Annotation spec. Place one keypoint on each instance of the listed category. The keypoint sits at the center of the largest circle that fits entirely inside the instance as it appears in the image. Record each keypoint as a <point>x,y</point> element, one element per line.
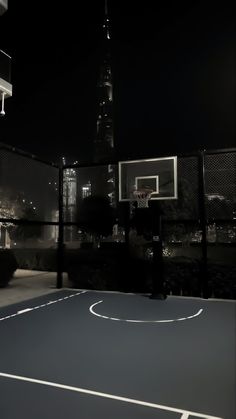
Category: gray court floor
<point>87,354</point>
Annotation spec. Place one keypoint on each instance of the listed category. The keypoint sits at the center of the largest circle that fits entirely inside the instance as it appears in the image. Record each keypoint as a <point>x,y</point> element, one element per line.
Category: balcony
<point>5,74</point>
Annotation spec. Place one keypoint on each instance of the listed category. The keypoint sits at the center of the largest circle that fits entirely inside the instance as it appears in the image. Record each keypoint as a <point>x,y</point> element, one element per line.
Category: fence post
<point>60,243</point>
<point>203,225</point>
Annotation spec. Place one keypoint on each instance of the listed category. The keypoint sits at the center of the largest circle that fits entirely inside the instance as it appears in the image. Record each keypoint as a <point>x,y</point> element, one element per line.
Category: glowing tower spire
<point>106,24</point>
<point>104,141</point>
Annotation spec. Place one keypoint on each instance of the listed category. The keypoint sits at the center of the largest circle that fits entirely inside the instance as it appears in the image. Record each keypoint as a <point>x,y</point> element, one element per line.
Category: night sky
<point>173,72</point>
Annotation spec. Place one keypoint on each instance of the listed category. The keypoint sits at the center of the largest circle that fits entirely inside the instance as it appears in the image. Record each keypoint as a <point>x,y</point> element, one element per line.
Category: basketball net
<point>142,197</point>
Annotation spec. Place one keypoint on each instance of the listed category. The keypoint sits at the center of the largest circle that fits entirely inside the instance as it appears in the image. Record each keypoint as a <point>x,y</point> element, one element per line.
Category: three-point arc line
<point>141,321</point>
<point>100,315</point>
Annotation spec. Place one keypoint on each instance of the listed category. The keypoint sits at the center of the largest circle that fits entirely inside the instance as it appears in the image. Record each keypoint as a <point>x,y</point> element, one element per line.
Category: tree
<point>15,208</point>
<point>23,231</point>
<point>96,216</point>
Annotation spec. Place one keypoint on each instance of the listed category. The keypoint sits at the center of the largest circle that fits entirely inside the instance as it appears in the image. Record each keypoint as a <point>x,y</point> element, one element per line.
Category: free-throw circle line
<point>91,309</point>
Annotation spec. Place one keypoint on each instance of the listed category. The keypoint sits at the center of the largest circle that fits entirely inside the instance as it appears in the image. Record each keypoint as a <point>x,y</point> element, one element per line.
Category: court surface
<point>87,354</point>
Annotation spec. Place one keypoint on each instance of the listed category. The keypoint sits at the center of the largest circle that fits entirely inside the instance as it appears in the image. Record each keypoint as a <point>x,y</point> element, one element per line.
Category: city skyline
<point>173,72</point>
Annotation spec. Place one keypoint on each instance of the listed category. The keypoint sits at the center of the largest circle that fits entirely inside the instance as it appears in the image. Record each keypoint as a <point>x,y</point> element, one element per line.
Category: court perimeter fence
<point>46,225</point>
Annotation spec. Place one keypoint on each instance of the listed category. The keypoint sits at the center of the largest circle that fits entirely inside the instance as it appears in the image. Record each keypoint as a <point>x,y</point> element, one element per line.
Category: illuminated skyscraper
<point>86,190</point>
<point>104,141</point>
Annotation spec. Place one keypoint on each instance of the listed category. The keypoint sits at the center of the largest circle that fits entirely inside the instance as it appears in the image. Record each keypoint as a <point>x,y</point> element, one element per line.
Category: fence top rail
<point>22,221</point>
<point>220,151</point>
<point>116,161</point>
<point>15,150</point>
<point>22,153</point>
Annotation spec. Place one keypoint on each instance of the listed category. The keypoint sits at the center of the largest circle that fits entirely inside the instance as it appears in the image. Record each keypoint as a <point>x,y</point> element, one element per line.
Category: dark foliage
<point>96,215</point>
<point>24,232</point>
<point>8,266</point>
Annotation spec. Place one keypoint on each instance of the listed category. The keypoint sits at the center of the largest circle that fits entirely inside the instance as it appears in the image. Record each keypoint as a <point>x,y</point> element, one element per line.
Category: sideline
<point>26,310</point>
<point>184,413</point>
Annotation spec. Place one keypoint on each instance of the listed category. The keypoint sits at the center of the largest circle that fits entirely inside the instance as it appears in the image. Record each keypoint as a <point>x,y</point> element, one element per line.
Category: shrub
<point>8,266</point>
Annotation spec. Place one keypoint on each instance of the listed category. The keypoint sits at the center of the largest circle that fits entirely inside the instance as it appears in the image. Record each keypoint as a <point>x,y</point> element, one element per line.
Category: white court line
<point>142,321</point>
<point>26,310</point>
<point>185,413</point>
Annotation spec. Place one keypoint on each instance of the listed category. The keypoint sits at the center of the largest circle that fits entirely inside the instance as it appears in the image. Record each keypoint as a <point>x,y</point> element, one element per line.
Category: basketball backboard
<point>157,174</point>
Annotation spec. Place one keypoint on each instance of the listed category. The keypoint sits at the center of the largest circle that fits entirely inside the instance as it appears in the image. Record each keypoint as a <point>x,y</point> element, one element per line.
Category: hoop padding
<point>142,197</point>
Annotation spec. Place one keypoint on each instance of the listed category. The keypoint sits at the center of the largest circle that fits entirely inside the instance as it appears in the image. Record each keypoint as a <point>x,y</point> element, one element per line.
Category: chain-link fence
<point>29,213</point>
<point>70,219</point>
<point>198,230</point>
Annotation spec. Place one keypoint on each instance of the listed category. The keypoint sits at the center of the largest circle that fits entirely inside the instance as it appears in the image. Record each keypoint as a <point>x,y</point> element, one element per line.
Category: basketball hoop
<point>142,197</point>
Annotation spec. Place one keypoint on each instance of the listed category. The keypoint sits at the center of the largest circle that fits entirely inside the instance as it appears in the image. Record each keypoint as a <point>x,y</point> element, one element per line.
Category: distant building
<point>86,190</point>
<point>70,201</point>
